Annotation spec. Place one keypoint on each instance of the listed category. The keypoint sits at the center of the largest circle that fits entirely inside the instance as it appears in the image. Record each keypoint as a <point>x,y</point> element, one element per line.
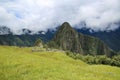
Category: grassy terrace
<point>22,64</point>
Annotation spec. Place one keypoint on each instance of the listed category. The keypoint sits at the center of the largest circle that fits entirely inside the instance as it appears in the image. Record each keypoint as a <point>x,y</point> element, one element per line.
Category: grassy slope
<point>21,64</point>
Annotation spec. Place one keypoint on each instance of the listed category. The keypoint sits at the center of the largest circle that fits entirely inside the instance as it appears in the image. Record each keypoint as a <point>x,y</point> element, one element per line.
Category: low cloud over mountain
<point>39,15</point>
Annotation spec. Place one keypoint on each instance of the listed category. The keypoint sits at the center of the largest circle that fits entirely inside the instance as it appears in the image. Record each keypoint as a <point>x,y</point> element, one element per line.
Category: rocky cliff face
<point>67,38</point>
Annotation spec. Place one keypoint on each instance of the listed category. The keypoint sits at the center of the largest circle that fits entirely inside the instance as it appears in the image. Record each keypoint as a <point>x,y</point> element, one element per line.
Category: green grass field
<point>22,64</point>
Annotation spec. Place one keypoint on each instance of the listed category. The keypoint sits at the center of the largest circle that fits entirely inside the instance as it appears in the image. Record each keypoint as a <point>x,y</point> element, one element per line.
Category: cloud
<point>39,15</point>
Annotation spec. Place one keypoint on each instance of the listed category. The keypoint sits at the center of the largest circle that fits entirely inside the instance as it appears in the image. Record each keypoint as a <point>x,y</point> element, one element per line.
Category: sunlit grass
<point>22,64</point>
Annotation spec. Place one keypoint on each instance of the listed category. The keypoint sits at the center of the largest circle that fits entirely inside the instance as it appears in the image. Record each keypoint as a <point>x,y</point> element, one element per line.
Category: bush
<point>114,61</point>
<point>117,57</point>
<point>73,55</point>
<point>103,60</point>
<point>89,59</point>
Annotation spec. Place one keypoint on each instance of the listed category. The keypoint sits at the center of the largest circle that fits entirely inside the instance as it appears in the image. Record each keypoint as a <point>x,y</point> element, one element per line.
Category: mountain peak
<point>67,38</point>
<point>66,28</point>
<point>4,30</point>
<point>66,24</point>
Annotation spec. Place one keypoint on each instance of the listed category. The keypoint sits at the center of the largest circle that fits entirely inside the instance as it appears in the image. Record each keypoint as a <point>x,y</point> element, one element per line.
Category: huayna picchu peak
<point>67,38</point>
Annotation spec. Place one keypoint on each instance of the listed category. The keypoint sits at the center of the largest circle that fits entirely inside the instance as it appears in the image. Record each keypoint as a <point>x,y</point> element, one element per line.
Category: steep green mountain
<point>67,38</point>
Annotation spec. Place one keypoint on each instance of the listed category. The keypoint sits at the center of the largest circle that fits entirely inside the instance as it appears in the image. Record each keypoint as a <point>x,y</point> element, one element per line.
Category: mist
<point>41,15</point>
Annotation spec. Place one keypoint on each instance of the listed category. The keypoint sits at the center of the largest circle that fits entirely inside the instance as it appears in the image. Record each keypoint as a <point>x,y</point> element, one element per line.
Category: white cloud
<point>44,14</point>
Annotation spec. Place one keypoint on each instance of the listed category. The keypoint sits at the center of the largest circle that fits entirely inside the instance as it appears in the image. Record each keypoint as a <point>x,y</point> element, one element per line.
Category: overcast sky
<point>39,15</point>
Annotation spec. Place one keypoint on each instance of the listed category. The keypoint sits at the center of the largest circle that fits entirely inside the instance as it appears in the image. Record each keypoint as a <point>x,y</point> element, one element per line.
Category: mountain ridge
<point>67,38</point>
<point>111,38</point>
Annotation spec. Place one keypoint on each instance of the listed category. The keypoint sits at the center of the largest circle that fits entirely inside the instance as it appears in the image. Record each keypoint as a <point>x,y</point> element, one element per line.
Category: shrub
<point>89,59</point>
<point>101,59</point>
<point>116,60</point>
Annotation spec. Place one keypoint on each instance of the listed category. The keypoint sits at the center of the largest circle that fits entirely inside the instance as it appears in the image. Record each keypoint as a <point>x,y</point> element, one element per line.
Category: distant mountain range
<point>111,38</point>
<point>26,39</point>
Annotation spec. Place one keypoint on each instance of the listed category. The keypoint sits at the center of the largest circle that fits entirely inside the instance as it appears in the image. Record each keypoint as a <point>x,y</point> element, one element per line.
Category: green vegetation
<point>23,64</point>
<point>21,40</point>
<point>98,59</point>
<point>67,38</point>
